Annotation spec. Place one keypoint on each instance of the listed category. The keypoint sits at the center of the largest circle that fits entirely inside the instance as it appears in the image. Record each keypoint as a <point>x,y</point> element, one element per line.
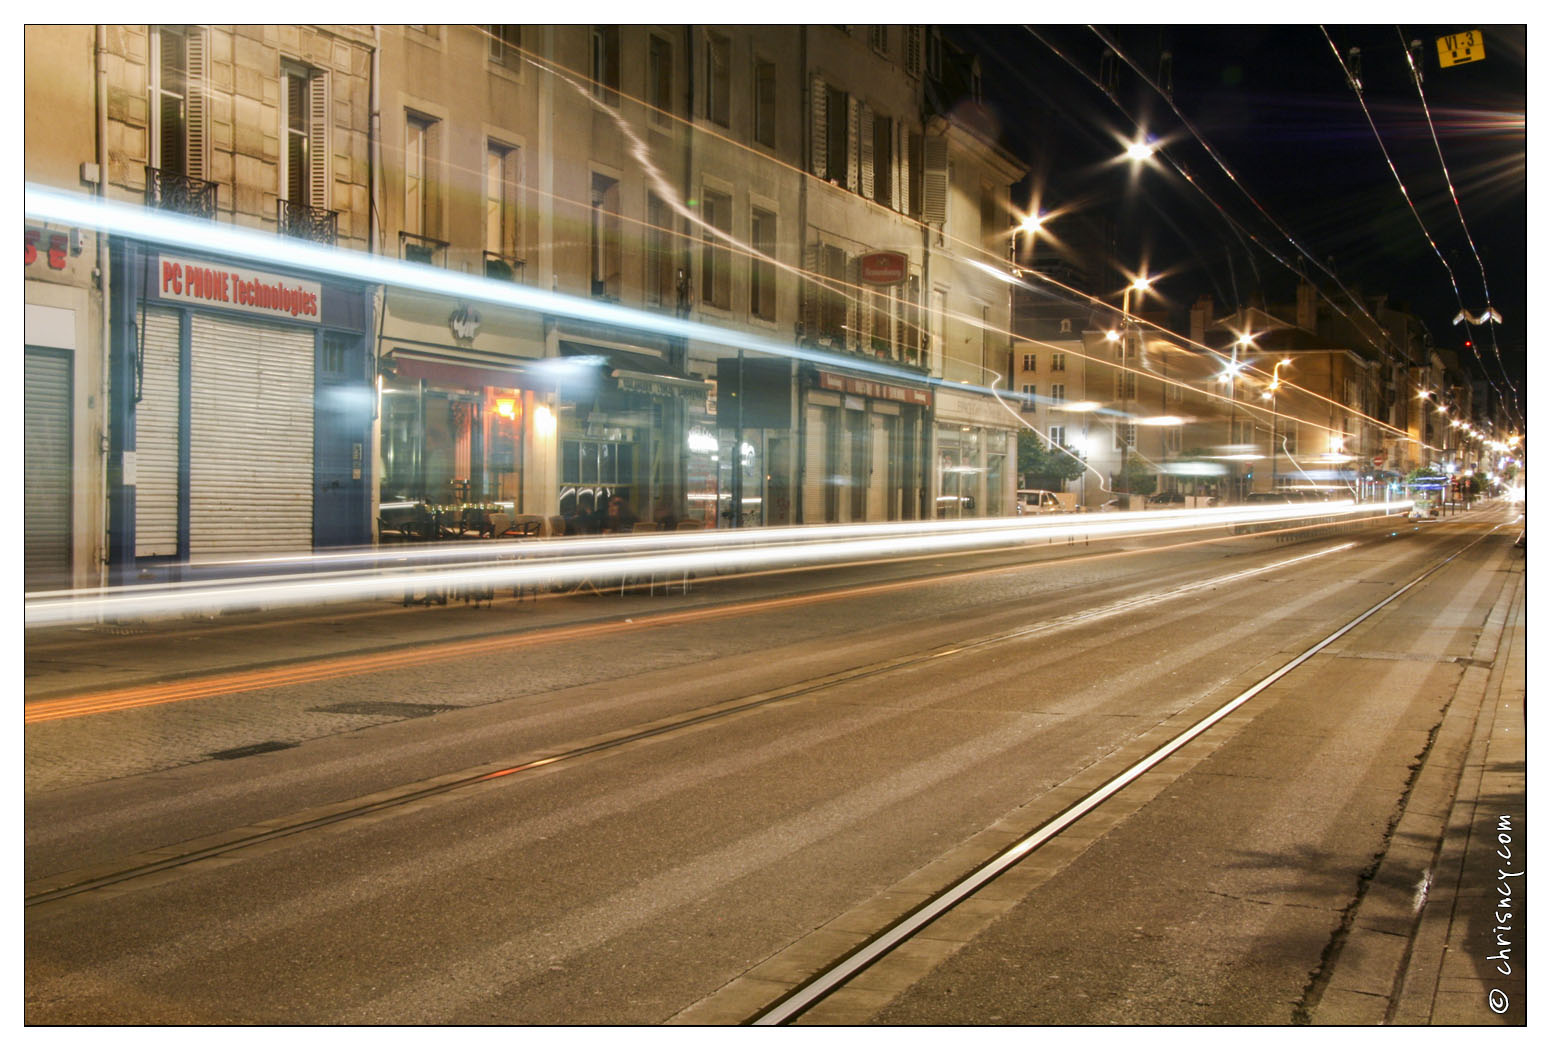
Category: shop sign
<point>464,322</point>
<point>238,288</point>
<point>54,247</point>
<point>884,268</point>
<point>874,389</point>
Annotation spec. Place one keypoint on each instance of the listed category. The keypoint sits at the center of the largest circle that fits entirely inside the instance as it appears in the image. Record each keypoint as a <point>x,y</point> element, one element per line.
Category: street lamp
<point>1126,337</point>
<point>1269,394</point>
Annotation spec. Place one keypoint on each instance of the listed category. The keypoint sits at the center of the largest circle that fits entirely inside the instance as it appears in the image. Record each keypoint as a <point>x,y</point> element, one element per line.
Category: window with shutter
<point>883,160</point>
<point>934,182</point>
<point>866,147</point>
<point>853,151</point>
<point>179,87</point>
<point>818,118</point>
<point>838,143</point>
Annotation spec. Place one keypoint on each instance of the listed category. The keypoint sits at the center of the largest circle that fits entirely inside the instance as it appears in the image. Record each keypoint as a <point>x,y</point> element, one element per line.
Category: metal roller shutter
<point>815,465</point>
<point>250,440</point>
<point>156,437</point>
<point>46,471</point>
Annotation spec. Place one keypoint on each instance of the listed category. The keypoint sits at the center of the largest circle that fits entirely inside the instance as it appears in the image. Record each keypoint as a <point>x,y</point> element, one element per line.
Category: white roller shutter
<point>156,437</point>
<point>815,465</point>
<point>250,442</point>
<point>46,469</point>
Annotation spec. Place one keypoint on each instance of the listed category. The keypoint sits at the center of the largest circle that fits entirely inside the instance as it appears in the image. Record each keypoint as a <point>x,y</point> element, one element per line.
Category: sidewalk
<point>1439,937</point>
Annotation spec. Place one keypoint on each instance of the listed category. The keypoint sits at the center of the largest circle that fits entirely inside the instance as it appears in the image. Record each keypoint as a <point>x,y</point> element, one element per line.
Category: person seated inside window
<point>619,517</point>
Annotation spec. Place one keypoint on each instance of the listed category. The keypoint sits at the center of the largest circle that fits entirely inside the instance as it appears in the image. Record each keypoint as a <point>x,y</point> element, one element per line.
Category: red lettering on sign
<point>172,278</point>
<point>32,247</point>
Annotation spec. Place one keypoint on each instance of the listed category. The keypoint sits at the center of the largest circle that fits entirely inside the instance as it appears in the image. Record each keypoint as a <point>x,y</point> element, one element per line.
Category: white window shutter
<point>318,138</point>
<point>901,167</point>
<point>198,104</point>
<point>934,179</point>
<point>818,107</point>
<point>865,150</point>
<point>853,125</point>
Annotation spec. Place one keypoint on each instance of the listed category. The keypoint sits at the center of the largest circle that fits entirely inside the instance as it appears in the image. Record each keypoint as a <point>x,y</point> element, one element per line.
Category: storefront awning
<point>661,386</point>
<point>443,373</point>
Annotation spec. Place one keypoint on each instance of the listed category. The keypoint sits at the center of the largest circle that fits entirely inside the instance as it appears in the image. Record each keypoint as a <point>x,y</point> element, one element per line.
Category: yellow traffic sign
<point>1461,47</point>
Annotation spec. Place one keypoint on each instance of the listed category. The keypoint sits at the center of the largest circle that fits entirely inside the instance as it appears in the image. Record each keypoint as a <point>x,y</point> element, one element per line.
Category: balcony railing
<point>180,193</point>
<point>416,248</point>
<point>502,267</point>
<point>306,222</point>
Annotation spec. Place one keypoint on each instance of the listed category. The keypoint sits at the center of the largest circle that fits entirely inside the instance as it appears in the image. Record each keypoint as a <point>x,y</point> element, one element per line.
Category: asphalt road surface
<point>604,810</point>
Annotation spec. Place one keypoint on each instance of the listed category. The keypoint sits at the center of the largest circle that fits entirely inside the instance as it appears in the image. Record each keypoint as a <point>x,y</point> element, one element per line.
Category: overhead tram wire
<point>1393,353</point>
<point>1356,86</point>
<point>1416,77</point>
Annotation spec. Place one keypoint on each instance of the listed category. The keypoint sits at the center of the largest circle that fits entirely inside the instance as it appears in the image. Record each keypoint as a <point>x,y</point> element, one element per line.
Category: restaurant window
<point>604,237</point>
<point>659,79</point>
<point>605,64</point>
<point>762,289</point>
<point>764,102</point>
<point>716,255</point>
<point>718,78</point>
<point>449,447</point>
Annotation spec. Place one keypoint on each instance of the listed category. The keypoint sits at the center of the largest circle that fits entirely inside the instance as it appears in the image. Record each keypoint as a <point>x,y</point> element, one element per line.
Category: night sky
<point>1275,105</point>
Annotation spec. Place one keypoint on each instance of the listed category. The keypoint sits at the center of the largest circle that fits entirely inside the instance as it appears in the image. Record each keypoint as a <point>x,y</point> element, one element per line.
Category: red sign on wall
<point>884,268</point>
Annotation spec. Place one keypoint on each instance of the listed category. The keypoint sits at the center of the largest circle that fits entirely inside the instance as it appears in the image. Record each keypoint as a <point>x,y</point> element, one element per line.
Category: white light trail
<point>387,573</point>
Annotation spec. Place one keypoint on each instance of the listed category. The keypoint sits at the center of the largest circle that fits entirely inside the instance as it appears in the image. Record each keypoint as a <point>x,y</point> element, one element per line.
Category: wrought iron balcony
<point>502,267</point>
<point>180,193</point>
<point>416,248</point>
<point>306,222</point>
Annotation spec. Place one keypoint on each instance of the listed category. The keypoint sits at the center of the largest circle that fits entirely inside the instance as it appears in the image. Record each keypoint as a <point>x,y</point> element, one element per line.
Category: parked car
<point>1044,502</point>
<point>1169,499</point>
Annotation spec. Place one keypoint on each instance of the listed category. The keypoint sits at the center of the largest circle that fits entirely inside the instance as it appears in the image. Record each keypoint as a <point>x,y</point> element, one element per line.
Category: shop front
<point>624,434</point>
<point>974,457</point>
<point>864,448</point>
<point>242,411</point>
<point>456,438</point>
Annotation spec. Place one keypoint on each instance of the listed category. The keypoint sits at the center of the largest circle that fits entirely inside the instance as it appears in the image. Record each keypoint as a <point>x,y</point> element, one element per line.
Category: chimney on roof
<point>1200,318</point>
<point>1308,306</point>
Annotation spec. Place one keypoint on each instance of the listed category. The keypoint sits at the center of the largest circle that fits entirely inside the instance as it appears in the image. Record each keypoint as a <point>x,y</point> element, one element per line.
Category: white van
<point>1044,502</point>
